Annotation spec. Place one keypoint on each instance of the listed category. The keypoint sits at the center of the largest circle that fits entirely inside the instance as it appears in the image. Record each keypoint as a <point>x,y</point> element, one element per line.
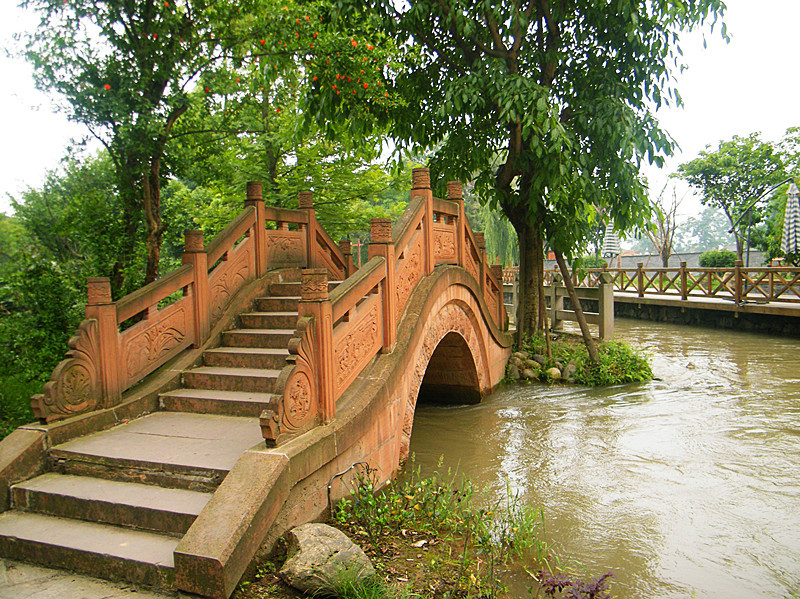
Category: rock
<point>529,373</point>
<point>520,355</point>
<point>513,372</point>
<point>530,364</point>
<point>553,373</point>
<point>559,364</point>
<point>318,553</point>
<point>570,371</point>
<point>540,359</point>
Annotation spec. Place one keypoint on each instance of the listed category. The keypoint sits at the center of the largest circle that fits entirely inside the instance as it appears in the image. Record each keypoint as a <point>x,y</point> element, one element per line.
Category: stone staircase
<point>116,503</point>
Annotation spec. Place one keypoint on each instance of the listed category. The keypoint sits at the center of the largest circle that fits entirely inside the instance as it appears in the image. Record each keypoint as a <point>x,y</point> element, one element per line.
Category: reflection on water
<point>685,486</point>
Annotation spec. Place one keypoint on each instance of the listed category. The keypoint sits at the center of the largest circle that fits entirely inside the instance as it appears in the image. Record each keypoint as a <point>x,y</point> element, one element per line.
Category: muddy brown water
<point>687,486</point>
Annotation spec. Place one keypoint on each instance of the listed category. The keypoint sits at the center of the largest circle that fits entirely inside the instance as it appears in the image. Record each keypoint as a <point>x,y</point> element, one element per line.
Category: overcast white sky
<point>750,84</point>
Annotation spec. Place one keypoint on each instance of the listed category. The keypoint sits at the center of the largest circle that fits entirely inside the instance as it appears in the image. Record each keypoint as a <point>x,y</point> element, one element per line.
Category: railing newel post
<point>684,282</point>
<point>382,245</point>
<point>194,253</point>
<point>640,278</point>
<point>421,186</point>
<point>314,302</point>
<point>306,202</point>
<point>255,198</point>
<point>100,307</point>
<point>605,301</point>
<point>497,273</point>
<point>480,241</point>
<point>347,252</point>
<point>455,193</point>
<point>737,274</point>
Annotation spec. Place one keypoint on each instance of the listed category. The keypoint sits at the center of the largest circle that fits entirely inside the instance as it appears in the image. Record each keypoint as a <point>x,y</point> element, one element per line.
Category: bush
<point>718,259</point>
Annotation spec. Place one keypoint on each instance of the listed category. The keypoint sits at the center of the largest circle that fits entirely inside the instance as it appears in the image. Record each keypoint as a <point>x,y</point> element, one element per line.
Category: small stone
<point>553,373</point>
<point>530,364</point>
<point>570,371</point>
<point>559,364</point>
<point>513,372</point>
<point>539,358</point>
<point>318,553</point>
<point>529,373</point>
<point>520,355</point>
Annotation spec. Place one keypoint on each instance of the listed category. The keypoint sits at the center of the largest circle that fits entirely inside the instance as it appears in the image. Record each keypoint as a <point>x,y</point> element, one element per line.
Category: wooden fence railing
<point>337,333</point>
<point>738,284</point>
<point>340,332</point>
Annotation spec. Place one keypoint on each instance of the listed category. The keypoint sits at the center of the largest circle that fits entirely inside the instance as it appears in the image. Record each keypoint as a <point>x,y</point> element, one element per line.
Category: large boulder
<point>318,554</point>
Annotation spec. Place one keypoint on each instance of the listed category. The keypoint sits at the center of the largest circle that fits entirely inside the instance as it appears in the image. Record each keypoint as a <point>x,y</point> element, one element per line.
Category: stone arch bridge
<point>169,450</point>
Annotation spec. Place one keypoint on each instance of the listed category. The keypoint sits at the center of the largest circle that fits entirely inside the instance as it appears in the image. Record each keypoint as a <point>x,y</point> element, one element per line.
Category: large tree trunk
<point>576,306</point>
<point>151,189</point>
<point>530,299</point>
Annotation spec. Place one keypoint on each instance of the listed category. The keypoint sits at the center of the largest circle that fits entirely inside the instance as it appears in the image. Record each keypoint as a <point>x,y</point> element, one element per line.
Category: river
<point>687,486</point>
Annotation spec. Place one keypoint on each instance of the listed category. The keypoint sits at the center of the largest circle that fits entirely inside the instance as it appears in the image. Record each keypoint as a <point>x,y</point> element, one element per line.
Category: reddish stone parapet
<point>98,291</point>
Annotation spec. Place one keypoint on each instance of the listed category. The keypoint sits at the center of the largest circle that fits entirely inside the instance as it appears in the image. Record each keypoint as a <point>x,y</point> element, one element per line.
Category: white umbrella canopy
<point>610,243</point>
<point>790,240</point>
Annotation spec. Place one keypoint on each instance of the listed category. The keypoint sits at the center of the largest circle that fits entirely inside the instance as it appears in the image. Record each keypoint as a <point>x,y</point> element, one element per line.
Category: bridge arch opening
<point>451,376</point>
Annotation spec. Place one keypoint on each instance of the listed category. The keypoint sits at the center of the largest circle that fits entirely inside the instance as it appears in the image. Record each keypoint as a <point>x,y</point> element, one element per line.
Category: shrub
<point>718,259</point>
<point>619,362</point>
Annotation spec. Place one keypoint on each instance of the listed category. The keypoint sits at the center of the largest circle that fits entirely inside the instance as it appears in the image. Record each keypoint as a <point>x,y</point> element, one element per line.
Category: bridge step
<point>246,357</point>
<point>265,338</point>
<point>86,547</point>
<point>132,505</point>
<point>171,449</point>
<point>210,401</point>
<point>269,320</point>
<point>277,304</point>
<point>252,380</point>
<point>288,289</point>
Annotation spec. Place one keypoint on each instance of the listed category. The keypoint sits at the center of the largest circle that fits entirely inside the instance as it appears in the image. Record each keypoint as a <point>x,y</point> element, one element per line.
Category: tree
<point>560,91</point>
<point>706,231</point>
<point>733,177</point>
<point>662,235</point>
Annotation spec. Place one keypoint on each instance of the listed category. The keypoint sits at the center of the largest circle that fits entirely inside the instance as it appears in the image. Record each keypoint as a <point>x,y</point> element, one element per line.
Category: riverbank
<point>428,538</point>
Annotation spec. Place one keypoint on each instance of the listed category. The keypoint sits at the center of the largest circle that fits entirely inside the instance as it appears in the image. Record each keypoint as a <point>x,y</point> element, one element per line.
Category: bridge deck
<point>724,304</point>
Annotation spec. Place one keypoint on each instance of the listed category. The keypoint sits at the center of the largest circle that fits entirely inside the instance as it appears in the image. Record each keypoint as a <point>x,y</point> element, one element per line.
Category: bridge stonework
<point>423,320</point>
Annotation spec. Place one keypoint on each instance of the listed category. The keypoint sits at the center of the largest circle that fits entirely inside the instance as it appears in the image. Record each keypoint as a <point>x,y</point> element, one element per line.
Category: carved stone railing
<point>106,357</point>
<point>341,332</point>
<point>738,284</point>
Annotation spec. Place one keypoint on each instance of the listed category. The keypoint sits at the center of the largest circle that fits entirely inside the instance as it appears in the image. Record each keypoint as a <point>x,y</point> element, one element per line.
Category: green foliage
<point>40,307</point>
<point>618,362</point>
<point>718,259</point>
<point>708,230</point>
<point>547,108</point>
<point>445,509</point>
<point>349,585</point>
<point>736,175</point>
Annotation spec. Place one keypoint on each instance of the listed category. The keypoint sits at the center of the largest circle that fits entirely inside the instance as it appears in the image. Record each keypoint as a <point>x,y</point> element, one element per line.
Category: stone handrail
<point>109,354</point>
<point>739,284</point>
<point>339,333</point>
